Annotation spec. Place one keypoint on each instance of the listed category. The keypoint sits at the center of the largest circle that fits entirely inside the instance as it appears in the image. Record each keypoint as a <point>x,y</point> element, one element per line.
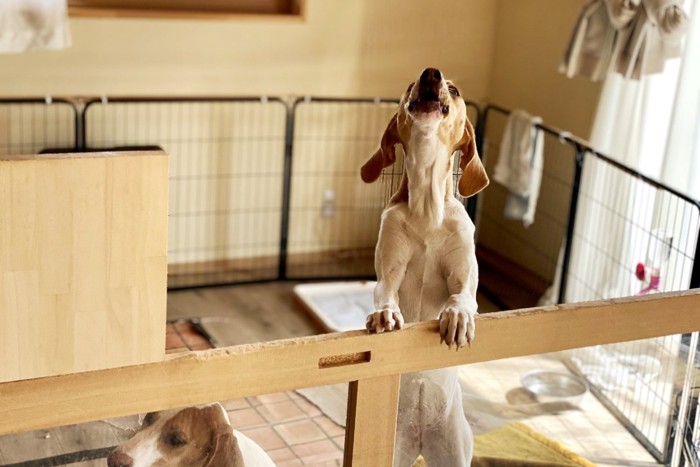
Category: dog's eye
<point>453,90</point>
<point>149,419</point>
<point>175,439</point>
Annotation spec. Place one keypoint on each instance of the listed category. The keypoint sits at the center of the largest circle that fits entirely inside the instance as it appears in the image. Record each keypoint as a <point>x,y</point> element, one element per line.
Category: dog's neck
<point>428,169</point>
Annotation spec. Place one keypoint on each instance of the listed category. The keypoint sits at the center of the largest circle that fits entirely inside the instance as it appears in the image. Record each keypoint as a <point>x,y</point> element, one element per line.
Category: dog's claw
<point>456,326</point>
<point>387,319</point>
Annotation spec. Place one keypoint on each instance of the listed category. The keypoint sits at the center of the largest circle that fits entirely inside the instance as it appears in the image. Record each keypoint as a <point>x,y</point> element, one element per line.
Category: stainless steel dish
<point>554,386</point>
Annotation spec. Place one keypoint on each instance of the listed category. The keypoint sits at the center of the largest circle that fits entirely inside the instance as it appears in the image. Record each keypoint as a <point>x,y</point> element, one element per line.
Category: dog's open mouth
<point>428,102</point>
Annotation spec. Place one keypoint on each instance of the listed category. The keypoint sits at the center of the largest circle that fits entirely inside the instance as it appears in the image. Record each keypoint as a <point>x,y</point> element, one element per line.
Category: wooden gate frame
<point>372,364</point>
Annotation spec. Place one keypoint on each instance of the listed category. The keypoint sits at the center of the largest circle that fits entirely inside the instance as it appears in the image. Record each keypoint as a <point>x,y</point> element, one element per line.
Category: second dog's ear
<point>473,178</point>
<point>224,450</point>
<point>385,155</point>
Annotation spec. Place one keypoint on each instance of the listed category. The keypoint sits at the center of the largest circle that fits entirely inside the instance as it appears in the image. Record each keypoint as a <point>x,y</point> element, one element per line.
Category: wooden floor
<point>261,312</point>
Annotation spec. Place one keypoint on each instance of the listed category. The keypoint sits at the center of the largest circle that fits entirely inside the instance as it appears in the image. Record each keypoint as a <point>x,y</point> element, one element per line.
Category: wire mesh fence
<point>634,237</point>
<point>226,177</point>
<point>504,243</point>
<point>606,231</point>
<point>333,215</point>
<point>29,126</point>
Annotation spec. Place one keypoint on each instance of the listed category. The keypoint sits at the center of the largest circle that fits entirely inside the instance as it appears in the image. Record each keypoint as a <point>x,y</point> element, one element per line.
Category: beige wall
<point>530,38</point>
<point>356,48</point>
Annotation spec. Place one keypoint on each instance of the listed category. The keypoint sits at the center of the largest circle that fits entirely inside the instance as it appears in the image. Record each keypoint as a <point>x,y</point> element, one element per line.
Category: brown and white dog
<point>190,437</point>
<point>425,260</point>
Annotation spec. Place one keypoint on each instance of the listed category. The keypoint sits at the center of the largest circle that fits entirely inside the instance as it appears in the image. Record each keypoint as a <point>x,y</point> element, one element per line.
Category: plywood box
<point>83,266</point>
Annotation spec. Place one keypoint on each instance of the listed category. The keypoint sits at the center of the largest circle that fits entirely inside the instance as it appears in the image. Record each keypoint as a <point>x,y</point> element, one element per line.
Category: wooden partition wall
<point>82,262</point>
<point>372,364</point>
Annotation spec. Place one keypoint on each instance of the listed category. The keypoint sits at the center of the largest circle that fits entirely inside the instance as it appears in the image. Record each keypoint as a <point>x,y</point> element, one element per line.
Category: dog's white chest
<point>427,162</point>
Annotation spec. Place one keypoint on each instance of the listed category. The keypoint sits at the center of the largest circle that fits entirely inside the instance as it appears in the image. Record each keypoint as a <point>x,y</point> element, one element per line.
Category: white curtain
<point>653,126</point>
<point>681,167</point>
<point>27,25</point>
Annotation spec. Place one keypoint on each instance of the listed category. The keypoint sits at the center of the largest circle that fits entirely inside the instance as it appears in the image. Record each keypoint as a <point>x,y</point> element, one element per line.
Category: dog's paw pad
<point>386,319</point>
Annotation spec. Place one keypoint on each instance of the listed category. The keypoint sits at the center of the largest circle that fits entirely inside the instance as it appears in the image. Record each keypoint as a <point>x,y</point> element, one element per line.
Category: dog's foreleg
<point>457,318</point>
<point>391,258</point>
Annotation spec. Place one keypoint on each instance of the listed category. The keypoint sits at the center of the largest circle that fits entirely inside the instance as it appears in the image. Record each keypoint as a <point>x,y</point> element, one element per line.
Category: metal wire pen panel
<point>533,250</point>
<point>226,179</point>
<point>27,126</point>
<point>606,231</point>
<point>333,215</point>
<point>634,237</point>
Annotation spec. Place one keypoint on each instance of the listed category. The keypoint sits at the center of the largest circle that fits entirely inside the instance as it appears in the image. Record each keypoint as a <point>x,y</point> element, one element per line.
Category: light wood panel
<point>83,243</point>
<point>246,370</point>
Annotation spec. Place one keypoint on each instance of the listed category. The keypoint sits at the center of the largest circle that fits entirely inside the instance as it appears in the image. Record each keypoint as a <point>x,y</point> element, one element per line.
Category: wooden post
<point>371,423</point>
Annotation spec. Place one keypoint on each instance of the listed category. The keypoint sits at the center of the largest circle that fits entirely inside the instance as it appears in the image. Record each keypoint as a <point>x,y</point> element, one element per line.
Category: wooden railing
<point>372,364</point>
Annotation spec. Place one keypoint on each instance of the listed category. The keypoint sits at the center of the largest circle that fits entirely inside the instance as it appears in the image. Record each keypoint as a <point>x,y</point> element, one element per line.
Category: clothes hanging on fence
<point>630,37</point>
<point>33,25</point>
<point>519,166</point>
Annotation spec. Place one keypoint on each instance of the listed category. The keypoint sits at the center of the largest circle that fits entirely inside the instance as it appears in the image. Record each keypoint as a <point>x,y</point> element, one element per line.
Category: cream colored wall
<point>529,40</point>
<point>343,48</point>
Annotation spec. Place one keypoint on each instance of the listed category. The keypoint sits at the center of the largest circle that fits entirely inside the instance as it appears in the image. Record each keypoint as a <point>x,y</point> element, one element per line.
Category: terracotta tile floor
<point>292,430</point>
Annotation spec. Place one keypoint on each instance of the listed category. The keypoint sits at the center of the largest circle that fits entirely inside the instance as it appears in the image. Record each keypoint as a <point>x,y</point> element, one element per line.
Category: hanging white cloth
<point>33,25</point>
<point>519,166</point>
<point>652,37</point>
<point>630,37</point>
<point>593,38</point>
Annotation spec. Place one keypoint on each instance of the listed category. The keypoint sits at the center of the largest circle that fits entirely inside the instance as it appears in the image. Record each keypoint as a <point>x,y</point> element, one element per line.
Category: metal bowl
<point>554,386</point>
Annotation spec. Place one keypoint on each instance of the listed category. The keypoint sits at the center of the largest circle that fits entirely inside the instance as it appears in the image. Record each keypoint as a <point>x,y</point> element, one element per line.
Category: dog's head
<point>434,107</point>
<point>195,436</point>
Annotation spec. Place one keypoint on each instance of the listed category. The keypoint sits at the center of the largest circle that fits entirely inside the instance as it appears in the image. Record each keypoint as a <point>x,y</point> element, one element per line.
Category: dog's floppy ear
<point>225,451</point>
<point>385,155</point>
<point>473,178</point>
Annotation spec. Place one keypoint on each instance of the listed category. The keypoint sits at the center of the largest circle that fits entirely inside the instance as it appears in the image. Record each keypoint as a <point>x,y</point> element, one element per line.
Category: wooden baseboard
<point>355,262</point>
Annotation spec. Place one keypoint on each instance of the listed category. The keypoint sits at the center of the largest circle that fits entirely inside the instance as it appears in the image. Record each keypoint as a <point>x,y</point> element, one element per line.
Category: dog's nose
<point>431,74</point>
<point>119,459</point>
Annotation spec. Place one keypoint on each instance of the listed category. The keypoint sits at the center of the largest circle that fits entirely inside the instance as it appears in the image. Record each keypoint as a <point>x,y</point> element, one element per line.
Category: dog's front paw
<point>457,325</point>
<point>386,319</point>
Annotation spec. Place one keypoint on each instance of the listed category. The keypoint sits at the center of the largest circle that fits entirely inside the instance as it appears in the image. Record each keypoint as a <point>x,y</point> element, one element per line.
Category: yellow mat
<point>516,444</point>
